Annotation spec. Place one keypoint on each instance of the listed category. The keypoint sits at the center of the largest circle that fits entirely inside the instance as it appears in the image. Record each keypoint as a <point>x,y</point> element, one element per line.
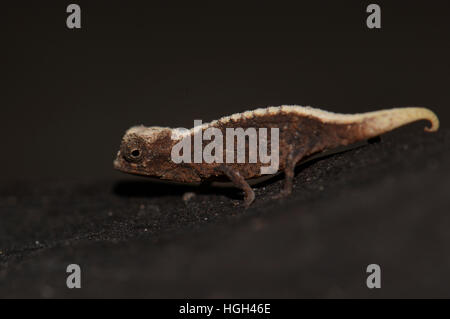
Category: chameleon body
<point>303,132</point>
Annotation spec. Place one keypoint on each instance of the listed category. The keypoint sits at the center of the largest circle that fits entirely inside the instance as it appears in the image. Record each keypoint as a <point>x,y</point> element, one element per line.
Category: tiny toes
<point>249,200</point>
<point>282,194</point>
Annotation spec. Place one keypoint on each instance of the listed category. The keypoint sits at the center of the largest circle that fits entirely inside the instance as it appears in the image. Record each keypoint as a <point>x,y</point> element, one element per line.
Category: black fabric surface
<point>384,203</point>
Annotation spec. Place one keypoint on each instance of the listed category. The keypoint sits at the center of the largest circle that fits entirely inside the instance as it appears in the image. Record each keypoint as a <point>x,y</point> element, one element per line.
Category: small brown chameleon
<point>303,132</point>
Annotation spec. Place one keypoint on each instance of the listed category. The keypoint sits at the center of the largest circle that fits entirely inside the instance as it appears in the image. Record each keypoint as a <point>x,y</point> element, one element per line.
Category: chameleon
<point>303,132</point>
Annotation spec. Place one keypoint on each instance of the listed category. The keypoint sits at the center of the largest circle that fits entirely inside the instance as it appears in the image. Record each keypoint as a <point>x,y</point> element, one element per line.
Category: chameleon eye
<point>133,151</point>
<point>133,154</point>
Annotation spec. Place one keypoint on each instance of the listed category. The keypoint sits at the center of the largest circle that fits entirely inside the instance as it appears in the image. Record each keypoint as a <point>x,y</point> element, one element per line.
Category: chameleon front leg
<point>238,181</point>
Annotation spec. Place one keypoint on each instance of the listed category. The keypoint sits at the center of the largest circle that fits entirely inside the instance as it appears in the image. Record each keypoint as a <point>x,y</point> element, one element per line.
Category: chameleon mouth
<point>122,168</point>
<point>121,165</point>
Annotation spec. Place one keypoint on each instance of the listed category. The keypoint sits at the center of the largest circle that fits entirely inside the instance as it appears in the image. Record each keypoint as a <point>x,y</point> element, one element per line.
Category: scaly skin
<point>303,131</point>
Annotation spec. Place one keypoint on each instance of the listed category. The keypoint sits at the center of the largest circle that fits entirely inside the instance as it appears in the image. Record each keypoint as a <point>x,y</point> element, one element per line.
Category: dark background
<point>68,96</point>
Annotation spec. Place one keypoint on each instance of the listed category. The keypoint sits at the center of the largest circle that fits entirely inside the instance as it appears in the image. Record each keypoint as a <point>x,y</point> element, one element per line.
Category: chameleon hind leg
<point>289,170</point>
<point>238,181</point>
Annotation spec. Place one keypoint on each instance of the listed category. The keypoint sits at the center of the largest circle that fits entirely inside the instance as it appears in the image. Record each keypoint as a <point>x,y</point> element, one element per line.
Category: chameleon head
<point>143,151</point>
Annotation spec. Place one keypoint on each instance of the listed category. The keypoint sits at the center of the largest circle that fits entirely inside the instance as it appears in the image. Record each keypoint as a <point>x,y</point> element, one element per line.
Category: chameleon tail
<point>379,122</point>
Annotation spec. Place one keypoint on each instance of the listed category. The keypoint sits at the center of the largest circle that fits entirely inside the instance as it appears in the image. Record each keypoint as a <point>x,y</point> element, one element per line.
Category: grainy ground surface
<point>384,203</point>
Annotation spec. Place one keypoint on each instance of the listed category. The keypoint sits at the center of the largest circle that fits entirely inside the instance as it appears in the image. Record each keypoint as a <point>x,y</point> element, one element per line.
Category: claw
<point>248,199</point>
<point>282,194</point>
